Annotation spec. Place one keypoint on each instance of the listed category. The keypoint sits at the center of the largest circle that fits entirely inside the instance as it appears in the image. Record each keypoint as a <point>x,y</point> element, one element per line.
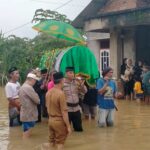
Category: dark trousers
<point>44,111</point>
<point>75,119</point>
<point>14,121</point>
<point>43,106</point>
<point>39,113</point>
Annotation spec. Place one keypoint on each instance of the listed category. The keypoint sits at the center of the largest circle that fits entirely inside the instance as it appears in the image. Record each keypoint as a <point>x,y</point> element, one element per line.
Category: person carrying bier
<point>72,91</point>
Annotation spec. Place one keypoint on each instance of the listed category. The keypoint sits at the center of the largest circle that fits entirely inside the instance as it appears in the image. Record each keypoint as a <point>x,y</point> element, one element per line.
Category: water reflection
<point>131,131</point>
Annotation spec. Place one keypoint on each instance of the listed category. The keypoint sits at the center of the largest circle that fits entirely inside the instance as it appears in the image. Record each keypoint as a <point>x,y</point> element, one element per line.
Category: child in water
<point>138,89</point>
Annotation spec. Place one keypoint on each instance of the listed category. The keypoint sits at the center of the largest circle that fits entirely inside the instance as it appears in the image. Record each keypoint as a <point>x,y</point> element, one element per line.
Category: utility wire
<point>16,28</point>
<point>54,3</point>
<point>46,2</point>
<point>63,5</point>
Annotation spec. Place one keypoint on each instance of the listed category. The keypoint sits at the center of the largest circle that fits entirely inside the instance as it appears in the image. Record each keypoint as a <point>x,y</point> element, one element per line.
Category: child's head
<point>136,78</point>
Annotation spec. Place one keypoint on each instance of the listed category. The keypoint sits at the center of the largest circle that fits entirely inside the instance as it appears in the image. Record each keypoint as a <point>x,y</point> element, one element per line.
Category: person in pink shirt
<point>51,82</point>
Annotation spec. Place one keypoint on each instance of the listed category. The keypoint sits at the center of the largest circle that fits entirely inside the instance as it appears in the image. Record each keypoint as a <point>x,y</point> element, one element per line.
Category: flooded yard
<point>131,131</point>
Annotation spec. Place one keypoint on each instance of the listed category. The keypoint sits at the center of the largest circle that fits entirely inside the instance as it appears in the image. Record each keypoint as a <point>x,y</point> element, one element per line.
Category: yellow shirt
<point>137,87</point>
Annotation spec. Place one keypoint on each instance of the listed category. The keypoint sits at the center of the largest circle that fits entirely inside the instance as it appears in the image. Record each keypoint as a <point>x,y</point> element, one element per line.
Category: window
<point>104,58</point>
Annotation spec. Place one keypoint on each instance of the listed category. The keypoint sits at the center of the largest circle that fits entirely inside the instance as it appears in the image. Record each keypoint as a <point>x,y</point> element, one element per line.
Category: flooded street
<point>131,131</point>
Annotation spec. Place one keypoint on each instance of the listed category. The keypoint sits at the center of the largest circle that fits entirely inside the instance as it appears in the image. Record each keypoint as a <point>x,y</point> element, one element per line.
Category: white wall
<point>97,36</point>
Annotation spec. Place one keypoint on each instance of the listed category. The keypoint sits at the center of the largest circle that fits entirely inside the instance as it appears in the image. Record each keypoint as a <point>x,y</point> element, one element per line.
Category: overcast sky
<point>14,13</point>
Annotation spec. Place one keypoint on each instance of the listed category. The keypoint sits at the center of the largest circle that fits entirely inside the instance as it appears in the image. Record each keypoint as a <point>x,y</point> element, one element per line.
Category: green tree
<point>15,51</point>
<point>42,15</point>
<point>24,53</point>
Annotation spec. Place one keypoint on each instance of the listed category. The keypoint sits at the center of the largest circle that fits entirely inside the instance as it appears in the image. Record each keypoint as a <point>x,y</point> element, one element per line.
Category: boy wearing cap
<point>106,91</point>
<point>72,91</point>
<point>29,101</point>
<point>59,126</point>
<point>12,89</point>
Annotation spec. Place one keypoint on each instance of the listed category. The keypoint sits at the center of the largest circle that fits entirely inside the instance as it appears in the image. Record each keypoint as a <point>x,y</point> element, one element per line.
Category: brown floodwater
<point>131,131</point>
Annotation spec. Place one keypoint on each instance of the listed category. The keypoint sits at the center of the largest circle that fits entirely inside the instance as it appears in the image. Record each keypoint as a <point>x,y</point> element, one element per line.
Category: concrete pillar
<point>115,52</point>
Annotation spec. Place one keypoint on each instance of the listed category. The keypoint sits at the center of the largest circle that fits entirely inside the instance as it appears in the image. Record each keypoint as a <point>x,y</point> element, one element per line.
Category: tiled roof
<point>98,8</point>
<point>143,3</point>
<point>120,5</point>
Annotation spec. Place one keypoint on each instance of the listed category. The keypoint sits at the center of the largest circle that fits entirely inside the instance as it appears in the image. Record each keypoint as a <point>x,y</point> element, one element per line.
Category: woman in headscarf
<point>123,66</point>
<point>129,81</point>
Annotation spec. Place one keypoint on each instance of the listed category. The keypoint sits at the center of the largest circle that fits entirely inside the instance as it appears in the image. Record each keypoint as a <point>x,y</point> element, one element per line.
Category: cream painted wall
<point>93,42</point>
<point>94,45</point>
<point>115,48</point>
<point>129,46</point>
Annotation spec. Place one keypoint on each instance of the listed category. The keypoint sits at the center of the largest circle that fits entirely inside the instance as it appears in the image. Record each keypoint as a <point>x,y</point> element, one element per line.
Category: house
<point>117,29</point>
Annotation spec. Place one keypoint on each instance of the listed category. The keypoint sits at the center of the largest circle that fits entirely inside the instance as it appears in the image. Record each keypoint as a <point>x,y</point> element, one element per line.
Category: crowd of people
<point>62,99</point>
<point>136,80</point>
<point>65,99</point>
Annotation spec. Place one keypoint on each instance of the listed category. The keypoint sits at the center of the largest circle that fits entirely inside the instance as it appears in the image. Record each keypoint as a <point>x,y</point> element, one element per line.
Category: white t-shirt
<point>12,90</point>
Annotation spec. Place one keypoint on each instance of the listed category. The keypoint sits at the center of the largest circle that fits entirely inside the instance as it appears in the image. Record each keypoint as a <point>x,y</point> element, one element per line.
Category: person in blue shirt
<point>106,92</point>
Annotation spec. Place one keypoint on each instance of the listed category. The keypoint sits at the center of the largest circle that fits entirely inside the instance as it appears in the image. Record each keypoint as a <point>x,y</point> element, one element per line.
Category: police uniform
<point>72,91</point>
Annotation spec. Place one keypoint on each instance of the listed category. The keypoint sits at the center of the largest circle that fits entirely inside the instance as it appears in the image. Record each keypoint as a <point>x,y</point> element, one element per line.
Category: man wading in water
<point>59,126</point>
<point>29,101</point>
<point>12,89</point>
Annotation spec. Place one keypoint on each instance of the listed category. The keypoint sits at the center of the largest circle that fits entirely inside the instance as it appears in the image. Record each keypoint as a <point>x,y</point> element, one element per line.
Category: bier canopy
<point>80,57</point>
